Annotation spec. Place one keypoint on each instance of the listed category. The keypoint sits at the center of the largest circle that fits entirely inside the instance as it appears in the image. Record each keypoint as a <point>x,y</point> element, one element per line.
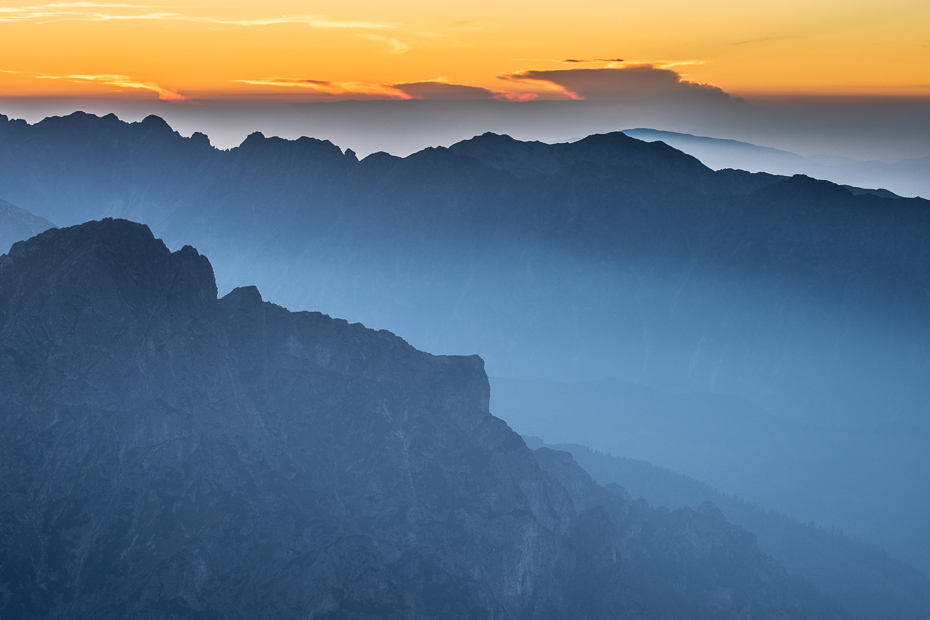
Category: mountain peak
<point>614,149</point>
<point>244,294</point>
<point>121,262</point>
<point>152,121</point>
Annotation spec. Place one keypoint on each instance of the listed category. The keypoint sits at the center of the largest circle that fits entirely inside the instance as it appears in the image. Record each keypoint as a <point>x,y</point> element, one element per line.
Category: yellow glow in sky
<point>364,49</point>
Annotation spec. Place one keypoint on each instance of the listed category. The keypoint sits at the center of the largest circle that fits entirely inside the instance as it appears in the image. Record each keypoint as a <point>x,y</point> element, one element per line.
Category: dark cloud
<point>441,90</point>
<point>594,60</point>
<point>635,81</point>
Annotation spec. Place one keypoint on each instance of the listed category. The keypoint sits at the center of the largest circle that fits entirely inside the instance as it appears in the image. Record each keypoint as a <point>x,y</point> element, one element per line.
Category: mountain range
<point>165,453</point>
<point>567,261</point>
<point>608,257</point>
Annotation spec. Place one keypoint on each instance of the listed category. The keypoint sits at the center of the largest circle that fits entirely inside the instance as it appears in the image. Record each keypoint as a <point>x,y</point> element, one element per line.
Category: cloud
<point>575,60</point>
<point>118,81</point>
<point>751,41</point>
<point>394,46</point>
<point>529,78</point>
<point>90,11</point>
<point>444,91</point>
<point>314,21</point>
<point>433,90</point>
<point>343,90</point>
<point>632,81</point>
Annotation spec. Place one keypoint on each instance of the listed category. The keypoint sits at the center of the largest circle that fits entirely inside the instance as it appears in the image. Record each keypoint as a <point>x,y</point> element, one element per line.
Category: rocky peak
<point>109,262</point>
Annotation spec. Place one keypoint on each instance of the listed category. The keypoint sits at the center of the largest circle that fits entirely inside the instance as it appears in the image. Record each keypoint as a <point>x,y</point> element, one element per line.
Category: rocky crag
<point>168,454</point>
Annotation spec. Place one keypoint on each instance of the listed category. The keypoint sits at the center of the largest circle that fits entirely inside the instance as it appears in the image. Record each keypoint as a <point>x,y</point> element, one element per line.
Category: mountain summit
<point>168,454</point>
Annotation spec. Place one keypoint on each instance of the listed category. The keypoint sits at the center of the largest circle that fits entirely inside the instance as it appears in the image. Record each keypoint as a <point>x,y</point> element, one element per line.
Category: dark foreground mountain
<point>606,257</point>
<point>863,578</point>
<point>17,224</point>
<point>168,454</point>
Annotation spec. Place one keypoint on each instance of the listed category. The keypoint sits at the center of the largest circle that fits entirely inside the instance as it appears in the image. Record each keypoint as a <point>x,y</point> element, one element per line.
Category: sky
<point>518,49</point>
<point>683,58</point>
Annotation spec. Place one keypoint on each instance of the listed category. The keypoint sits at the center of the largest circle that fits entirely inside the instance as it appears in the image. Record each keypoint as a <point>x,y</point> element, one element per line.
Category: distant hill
<point>864,579</point>
<point>18,224</point>
<point>907,177</point>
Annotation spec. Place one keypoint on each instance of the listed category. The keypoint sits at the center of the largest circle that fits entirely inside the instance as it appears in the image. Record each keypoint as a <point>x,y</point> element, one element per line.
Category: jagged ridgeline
<point>168,454</point>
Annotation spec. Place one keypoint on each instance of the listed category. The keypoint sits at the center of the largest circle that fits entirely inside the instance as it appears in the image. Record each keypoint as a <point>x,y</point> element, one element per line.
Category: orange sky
<point>362,48</point>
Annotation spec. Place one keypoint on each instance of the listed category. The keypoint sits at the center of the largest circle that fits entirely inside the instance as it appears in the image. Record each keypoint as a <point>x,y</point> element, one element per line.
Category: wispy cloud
<point>118,81</point>
<point>751,41</point>
<point>543,83</point>
<point>90,11</point>
<point>575,60</point>
<point>332,88</point>
<point>314,21</point>
<point>394,46</point>
<point>668,64</point>
<point>616,63</point>
<point>437,89</point>
<point>514,96</point>
<point>475,25</point>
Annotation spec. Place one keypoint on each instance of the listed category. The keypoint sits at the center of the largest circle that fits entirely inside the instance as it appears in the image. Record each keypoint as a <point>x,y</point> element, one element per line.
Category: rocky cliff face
<point>168,454</point>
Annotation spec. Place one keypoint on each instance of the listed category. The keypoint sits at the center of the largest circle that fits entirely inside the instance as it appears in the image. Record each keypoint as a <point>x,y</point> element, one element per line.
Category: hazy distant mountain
<point>165,453</point>
<point>18,224</point>
<point>906,177</point>
<point>864,579</point>
<point>606,257</point>
<point>808,471</point>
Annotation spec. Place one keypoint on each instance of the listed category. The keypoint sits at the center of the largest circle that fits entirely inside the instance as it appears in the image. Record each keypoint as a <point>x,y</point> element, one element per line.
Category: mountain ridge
<point>803,299</point>
<point>907,176</point>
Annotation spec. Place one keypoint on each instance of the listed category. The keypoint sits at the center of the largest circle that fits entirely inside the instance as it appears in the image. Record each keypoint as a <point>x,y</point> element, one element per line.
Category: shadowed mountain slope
<point>165,453</point>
